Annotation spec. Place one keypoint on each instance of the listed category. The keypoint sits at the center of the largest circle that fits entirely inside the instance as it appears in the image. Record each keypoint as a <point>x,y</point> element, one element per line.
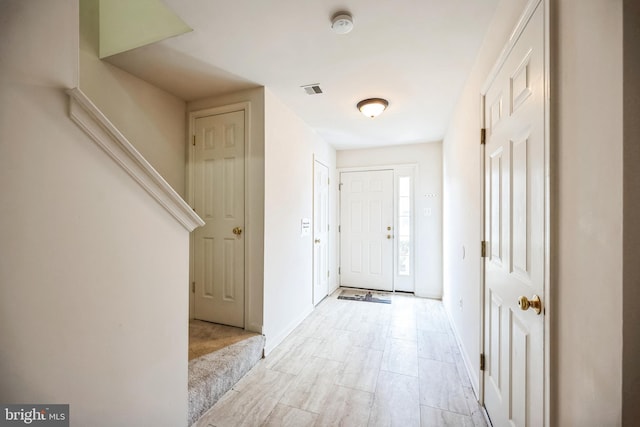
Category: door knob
<point>237,231</point>
<point>389,236</point>
<point>525,304</point>
<point>317,240</point>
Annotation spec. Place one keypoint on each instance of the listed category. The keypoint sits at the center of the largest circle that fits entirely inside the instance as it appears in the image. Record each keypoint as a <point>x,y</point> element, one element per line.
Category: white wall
<point>461,189</point>
<point>587,290</point>
<point>428,230</point>
<point>152,119</point>
<point>290,146</point>
<point>254,209</point>
<point>93,302</point>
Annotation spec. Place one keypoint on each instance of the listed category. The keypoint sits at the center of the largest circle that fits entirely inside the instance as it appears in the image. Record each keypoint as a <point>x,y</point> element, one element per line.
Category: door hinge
<point>193,287</point>
<point>482,361</point>
<point>340,187</point>
<point>194,140</point>
<point>483,249</point>
<point>327,273</point>
<point>483,136</point>
<point>339,229</point>
<point>339,271</point>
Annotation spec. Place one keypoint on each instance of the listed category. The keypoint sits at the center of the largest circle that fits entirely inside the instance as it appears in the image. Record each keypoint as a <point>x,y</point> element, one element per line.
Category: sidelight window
<point>404,226</point>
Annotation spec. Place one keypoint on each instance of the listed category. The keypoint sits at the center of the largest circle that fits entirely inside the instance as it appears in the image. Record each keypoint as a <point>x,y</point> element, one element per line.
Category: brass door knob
<point>317,240</point>
<point>237,231</point>
<point>389,236</point>
<point>525,304</point>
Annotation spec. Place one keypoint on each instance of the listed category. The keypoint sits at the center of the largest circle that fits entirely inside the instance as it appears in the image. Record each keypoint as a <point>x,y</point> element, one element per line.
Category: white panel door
<point>320,232</point>
<point>219,200</point>
<point>366,237</point>
<point>514,228</point>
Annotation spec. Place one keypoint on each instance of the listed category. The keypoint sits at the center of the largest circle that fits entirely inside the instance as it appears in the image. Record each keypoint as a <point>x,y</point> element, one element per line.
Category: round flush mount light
<point>342,23</point>
<point>372,107</point>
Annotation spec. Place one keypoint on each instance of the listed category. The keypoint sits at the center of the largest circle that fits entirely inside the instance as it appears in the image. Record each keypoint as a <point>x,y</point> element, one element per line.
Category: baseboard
<point>430,296</point>
<point>274,340</point>
<point>254,327</point>
<point>475,384</point>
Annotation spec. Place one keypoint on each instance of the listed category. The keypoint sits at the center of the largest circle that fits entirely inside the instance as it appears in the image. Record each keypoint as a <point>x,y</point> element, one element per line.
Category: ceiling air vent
<point>312,89</point>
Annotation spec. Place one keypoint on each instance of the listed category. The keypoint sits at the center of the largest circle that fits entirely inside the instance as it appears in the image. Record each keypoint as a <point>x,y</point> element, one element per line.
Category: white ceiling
<point>414,53</point>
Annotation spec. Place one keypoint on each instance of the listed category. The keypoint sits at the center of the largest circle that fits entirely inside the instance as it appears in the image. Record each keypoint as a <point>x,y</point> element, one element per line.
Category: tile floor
<point>353,363</point>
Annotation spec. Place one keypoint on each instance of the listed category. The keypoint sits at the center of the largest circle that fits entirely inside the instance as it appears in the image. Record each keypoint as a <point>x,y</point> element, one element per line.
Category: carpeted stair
<point>212,375</point>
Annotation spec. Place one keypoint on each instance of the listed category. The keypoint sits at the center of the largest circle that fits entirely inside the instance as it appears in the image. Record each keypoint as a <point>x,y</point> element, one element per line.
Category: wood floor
<point>355,363</point>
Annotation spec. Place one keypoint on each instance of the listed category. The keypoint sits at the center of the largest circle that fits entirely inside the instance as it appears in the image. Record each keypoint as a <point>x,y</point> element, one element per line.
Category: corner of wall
<point>631,202</point>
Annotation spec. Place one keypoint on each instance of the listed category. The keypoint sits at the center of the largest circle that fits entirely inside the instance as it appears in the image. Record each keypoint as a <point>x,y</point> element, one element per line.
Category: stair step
<point>212,375</point>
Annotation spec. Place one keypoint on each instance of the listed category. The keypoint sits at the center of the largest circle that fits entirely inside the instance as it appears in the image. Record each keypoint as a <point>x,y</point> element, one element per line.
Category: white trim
<point>548,209</point>
<point>190,178</point>
<point>273,342</point>
<point>475,381</point>
<point>253,327</point>
<point>483,237</point>
<point>376,168</point>
<point>90,119</point>
<point>313,222</point>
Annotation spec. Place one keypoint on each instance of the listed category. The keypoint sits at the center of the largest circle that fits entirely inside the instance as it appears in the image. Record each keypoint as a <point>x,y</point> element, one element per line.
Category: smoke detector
<point>342,23</point>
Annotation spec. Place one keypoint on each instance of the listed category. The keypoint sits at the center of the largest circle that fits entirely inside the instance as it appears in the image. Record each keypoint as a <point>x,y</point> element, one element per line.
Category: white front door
<point>515,230</point>
<point>366,235</point>
<point>219,200</point>
<point>320,232</point>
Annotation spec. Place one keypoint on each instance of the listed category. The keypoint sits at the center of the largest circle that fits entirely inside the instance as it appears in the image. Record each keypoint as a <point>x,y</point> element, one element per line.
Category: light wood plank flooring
<point>353,363</point>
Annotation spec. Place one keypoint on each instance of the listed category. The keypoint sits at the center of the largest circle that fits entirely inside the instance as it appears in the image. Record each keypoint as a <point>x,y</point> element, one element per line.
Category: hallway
<point>358,363</point>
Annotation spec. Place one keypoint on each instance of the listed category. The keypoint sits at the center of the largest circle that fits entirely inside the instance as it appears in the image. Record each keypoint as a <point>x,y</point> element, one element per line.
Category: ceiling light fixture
<point>372,107</point>
<point>342,23</point>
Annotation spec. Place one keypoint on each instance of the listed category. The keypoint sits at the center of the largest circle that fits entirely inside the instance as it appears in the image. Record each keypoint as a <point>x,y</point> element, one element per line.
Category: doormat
<point>365,296</point>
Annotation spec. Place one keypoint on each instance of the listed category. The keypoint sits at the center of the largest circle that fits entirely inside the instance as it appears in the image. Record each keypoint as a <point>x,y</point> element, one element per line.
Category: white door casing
<point>514,227</point>
<point>320,232</point>
<point>366,236</point>
<point>218,193</point>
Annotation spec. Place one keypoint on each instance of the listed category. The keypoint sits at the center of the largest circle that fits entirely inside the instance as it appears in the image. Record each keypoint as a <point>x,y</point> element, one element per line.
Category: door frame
<point>547,296</point>
<point>411,171</point>
<point>313,269</point>
<point>190,188</point>
<point>395,168</point>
